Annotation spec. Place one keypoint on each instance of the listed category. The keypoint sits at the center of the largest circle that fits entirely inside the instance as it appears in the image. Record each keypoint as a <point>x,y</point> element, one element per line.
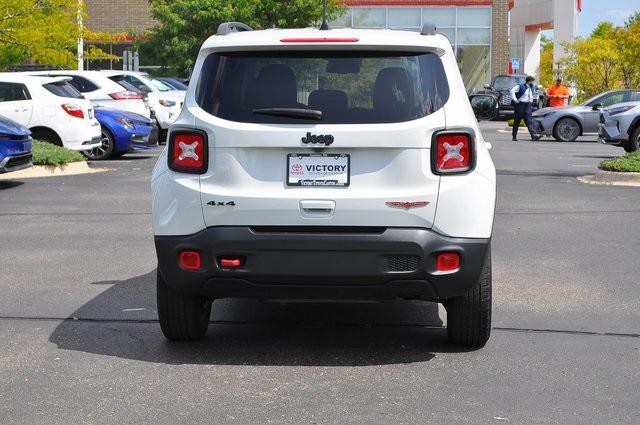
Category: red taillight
<point>126,95</point>
<point>73,110</point>
<point>452,152</point>
<point>320,40</point>
<point>189,260</point>
<point>188,151</point>
<point>448,262</point>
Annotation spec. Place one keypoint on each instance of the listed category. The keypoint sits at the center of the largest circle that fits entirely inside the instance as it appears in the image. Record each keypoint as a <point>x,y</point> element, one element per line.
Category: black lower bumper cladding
<point>321,263</point>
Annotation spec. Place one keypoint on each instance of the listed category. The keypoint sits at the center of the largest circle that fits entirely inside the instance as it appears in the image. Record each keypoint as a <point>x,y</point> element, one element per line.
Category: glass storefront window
<point>369,17</point>
<point>342,21</point>
<point>473,62</point>
<point>441,16</point>
<point>404,17</point>
<point>467,28</point>
<point>450,33</point>
<point>474,17</point>
<point>474,35</point>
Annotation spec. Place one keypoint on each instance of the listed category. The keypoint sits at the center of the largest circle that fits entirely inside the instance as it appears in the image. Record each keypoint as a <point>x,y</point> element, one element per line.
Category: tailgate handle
<point>317,209</point>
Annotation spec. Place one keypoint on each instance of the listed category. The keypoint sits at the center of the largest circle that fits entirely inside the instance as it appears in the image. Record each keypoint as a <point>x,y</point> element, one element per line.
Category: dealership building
<point>479,30</point>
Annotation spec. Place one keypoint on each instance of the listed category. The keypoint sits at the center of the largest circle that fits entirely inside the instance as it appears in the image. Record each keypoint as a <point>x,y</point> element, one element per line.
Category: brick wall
<point>118,15</point>
<point>500,49</point>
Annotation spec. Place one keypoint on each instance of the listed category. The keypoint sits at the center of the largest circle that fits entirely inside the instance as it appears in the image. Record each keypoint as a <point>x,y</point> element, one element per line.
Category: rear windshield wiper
<point>290,112</point>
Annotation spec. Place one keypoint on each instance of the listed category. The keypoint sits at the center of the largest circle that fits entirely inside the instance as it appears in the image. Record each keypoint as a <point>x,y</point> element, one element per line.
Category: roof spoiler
<point>229,27</point>
<point>428,28</point>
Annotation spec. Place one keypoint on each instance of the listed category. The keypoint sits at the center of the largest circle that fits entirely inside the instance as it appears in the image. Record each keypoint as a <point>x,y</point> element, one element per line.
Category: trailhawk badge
<point>406,205</point>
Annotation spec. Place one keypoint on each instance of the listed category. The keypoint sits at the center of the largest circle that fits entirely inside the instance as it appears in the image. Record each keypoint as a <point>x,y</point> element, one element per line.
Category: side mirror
<point>144,89</point>
<point>487,86</point>
<point>485,106</point>
<point>597,106</point>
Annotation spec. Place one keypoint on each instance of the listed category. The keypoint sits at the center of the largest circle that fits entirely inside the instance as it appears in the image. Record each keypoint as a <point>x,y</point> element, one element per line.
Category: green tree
<point>593,64</point>
<point>44,31</point>
<point>603,30</point>
<point>183,25</point>
<point>546,61</point>
<point>627,41</point>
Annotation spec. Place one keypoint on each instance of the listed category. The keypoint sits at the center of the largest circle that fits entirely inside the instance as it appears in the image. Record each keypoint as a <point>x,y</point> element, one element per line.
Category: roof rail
<point>428,28</point>
<point>229,27</point>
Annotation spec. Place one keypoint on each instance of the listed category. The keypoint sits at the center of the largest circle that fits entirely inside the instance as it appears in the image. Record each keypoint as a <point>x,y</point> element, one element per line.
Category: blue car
<point>122,132</point>
<point>15,146</point>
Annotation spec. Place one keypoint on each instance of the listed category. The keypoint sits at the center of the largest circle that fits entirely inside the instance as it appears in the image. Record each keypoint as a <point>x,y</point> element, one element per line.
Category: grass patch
<point>511,120</point>
<point>48,154</point>
<point>627,163</point>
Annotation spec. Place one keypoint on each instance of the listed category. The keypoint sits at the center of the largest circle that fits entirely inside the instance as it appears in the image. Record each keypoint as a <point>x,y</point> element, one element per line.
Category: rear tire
<point>183,317</point>
<point>633,144</point>
<point>469,316</point>
<point>46,135</point>
<point>566,130</point>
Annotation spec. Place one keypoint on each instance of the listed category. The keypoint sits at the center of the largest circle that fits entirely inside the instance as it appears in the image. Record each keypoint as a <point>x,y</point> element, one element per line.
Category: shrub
<point>627,163</point>
<point>48,154</point>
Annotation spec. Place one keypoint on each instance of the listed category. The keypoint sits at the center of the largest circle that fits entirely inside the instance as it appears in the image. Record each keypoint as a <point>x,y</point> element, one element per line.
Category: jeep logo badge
<point>321,139</point>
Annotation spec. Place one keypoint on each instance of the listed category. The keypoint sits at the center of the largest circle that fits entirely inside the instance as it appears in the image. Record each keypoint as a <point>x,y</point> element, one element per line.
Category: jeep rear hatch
<point>277,121</point>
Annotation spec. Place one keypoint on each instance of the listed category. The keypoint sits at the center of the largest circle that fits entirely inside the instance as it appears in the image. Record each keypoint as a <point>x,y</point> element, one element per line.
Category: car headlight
<point>619,109</point>
<point>167,103</point>
<point>542,115</point>
<point>127,123</point>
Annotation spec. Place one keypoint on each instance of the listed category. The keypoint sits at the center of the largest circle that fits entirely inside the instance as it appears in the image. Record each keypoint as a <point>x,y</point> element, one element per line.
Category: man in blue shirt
<point>522,96</point>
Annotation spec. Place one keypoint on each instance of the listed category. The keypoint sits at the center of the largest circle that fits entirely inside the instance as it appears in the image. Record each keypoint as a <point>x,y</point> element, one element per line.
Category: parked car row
<point>100,113</point>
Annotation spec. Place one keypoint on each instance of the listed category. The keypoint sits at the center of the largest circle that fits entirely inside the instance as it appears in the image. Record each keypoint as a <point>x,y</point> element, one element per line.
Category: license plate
<point>318,169</point>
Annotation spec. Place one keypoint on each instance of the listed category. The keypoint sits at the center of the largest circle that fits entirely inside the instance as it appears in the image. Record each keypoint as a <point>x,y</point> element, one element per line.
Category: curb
<point>610,178</point>
<point>70,169</point>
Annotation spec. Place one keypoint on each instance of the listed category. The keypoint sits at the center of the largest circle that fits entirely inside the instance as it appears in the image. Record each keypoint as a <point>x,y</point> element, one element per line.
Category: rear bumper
<point>329,263</point>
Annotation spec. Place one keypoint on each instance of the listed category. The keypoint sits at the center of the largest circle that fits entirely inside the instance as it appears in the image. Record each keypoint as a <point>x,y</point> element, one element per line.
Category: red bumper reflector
<point>321,40</point>
<point>447,262</point>
<point>229,262</point>
<point>189,260</point>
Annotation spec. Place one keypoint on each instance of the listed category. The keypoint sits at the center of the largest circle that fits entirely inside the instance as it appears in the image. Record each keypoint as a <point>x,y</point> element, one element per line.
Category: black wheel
<point>633,144</point>
<point>469,316</point>
<point>183,317</point>
<point>105,150</point>
<point>566,130</point>
<point>46,135</point>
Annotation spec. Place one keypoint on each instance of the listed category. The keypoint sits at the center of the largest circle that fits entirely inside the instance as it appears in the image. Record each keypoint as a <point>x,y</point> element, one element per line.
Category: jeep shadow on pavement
<point>251,332</point>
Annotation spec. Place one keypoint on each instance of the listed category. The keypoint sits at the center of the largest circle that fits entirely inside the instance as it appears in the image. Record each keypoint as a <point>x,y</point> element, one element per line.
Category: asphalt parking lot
<point>81,344</point>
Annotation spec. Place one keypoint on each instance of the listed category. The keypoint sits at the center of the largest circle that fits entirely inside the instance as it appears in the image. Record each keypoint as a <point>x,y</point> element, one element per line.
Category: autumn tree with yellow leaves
<point>608,59</point>
<point>42,31</point>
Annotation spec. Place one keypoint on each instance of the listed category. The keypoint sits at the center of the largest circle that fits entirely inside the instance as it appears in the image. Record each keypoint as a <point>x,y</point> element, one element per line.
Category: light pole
<point>80,39</point>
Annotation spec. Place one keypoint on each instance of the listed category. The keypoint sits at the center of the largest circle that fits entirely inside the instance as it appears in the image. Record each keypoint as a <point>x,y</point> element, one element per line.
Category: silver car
<point>567,123</point>
<point>620,126</point>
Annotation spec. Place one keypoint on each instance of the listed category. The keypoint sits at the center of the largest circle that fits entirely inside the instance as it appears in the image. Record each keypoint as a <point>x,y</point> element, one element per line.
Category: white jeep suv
<point>336,164</point>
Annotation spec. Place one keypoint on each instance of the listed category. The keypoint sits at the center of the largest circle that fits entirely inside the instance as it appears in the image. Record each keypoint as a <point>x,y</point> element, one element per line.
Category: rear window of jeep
<point>346,87</point>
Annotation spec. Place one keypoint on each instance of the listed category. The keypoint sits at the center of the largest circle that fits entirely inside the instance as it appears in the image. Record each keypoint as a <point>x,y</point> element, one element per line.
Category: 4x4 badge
<point>222,203</point>
<point>324,139</point>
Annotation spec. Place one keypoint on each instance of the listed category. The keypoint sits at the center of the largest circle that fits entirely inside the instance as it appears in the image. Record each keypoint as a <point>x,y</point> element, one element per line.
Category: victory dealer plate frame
<point>318,169</point>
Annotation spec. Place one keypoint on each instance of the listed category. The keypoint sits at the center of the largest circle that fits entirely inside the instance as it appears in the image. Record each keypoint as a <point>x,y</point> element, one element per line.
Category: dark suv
<point>500,87</point>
